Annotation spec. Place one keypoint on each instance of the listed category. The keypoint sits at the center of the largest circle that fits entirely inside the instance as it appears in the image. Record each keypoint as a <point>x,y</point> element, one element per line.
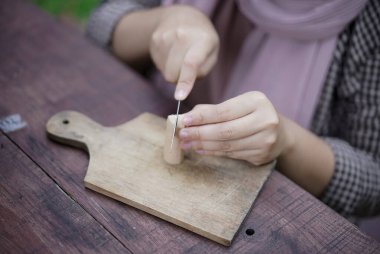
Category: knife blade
<point>175,126</point>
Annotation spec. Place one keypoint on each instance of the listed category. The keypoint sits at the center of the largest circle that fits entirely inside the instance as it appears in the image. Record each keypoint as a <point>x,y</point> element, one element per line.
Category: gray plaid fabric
<point>347,116</point>
<point>103,20</point>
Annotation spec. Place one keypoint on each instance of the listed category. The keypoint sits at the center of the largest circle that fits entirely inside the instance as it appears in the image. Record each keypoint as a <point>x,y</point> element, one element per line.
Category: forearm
<point>132,35</point>
<point>308,161</point>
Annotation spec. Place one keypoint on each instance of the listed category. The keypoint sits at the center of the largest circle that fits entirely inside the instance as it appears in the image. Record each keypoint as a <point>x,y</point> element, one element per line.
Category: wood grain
<point>47,67</point>
<point>173,153</point>
<point>207,195</point>
<point>36,216</point>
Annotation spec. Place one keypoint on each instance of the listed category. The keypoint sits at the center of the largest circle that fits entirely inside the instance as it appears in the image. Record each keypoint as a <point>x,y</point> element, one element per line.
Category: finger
<point>173,62</point>
<point>194,58</point>
<point>230,130</point>
<point>243,154</point>
<point>160,48</point>
<point>175,58</point>
<point>253,142</point>
<point>256,157</point>
<point>158,58</point>
<point>226,111</point>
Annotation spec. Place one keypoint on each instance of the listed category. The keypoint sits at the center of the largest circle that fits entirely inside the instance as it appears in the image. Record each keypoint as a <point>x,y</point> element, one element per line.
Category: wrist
<point>288,137</point>
<point>141,23</point>
<point>306,159</point>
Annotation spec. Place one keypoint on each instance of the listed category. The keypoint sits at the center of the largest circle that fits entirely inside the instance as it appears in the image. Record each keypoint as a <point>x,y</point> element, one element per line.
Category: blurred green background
<point>71,11</point>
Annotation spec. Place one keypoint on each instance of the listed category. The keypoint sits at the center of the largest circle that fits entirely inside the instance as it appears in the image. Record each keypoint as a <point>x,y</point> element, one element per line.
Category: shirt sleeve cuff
<point>104,19</point>
<point>349,191</point>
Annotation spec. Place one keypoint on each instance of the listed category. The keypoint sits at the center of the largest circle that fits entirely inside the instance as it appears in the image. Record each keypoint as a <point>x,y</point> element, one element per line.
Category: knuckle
<point>274,121</point>
<point>197,134</point>
<point>261,157</point>
<point>221,112</point>
<point>270,141</point>
<point>180,34</point>
<point>156,37</point>
<point>199,117</point>
<point>272,124</point>
<point>226,133</point>
<point>192,62</point>
<point>260,95</point>
<point>250,94</point>
<point>199,109</point>
<point>186,82</point>
<point>256,96</point>
<point>166,37</point>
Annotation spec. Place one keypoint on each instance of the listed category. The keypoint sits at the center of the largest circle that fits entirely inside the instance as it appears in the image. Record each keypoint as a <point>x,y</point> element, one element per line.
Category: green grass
<point>77,9</point>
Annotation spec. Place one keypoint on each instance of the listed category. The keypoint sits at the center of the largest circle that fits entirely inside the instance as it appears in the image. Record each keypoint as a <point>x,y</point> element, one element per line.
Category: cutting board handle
<point>73,128</point>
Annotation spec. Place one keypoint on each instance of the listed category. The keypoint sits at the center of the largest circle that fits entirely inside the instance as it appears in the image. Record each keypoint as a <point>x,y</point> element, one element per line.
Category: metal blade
<point>175,127</point>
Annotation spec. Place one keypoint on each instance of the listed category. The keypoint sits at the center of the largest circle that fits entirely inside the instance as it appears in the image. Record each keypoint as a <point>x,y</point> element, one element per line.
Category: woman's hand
<point>181,41</point>
<point>246,127</point>
<point>184,46</point>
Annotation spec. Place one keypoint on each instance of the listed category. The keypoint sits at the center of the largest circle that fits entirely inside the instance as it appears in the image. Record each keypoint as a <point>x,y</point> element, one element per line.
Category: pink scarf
<point>282,48</point>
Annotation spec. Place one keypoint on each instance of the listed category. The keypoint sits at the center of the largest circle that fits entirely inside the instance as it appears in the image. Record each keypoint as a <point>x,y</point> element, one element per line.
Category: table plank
<point>37,216</point>
<point>46,67</point>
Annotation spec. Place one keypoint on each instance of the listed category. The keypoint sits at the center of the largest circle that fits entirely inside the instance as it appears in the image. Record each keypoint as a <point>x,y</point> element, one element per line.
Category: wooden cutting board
<point>207,195</point>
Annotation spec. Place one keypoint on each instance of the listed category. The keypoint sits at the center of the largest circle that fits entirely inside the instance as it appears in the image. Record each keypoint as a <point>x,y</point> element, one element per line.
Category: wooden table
<point>46,67</point>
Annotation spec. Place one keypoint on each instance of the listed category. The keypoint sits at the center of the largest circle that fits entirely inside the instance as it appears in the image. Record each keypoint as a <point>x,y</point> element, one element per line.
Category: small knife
<point>176,122</point>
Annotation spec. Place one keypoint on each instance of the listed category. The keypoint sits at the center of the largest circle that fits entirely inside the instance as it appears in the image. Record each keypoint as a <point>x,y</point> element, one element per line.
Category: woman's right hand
<point>184,46</point>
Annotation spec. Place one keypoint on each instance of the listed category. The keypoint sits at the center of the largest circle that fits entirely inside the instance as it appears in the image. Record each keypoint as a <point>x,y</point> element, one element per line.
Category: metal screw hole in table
<point>250,231</point>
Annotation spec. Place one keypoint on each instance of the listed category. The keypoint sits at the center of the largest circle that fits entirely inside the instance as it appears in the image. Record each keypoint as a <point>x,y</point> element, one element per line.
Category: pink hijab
<point>282,48</point>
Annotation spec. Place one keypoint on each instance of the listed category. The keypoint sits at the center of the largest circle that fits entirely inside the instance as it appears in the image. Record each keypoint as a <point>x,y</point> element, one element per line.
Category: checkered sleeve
<point>103,20</point>
<point>355,186</point>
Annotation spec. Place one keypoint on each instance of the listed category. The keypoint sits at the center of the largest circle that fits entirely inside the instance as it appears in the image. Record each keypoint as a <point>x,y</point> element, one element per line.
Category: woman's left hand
<point>246,127</point>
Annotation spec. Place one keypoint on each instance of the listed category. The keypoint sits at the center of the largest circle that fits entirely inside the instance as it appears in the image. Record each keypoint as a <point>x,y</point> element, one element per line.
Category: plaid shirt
<point>347,116</point>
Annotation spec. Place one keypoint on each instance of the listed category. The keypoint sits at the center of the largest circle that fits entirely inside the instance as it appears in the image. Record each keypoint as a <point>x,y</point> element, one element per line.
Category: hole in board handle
<point>65,121</point>
<point>250,231</point>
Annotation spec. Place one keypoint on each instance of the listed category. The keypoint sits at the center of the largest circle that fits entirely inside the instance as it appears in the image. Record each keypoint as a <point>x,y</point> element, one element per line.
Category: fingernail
<point>183,134</point>
<point>186,145</point>
<point>187,120</point>
<point>179,94</point>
